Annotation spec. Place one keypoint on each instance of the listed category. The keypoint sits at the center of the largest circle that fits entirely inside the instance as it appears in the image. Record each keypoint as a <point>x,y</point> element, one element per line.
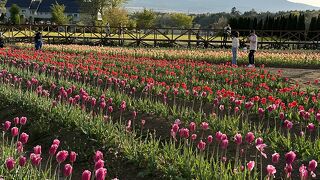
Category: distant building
<point>40,10</point>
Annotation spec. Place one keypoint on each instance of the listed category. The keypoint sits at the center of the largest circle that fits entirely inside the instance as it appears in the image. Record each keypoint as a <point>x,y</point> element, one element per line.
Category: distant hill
<point>204,6</point>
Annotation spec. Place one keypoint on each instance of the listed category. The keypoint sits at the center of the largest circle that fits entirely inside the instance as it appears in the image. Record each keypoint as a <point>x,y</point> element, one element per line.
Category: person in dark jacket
<point>38,41</point>
<point>1,41</point>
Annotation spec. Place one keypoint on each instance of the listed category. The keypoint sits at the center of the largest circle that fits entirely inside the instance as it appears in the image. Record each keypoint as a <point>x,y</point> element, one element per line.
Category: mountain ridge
<point>214,6</point>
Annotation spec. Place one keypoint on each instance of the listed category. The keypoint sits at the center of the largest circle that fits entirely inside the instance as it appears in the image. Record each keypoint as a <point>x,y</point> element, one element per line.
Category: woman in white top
<point>235,47</point>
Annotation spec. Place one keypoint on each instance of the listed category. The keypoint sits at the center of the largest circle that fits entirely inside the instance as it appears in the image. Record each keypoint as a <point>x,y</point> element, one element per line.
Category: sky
<point>309,2</point>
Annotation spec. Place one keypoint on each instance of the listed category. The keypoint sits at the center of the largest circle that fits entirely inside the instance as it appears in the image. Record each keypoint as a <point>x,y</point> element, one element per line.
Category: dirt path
<point>299,75</point>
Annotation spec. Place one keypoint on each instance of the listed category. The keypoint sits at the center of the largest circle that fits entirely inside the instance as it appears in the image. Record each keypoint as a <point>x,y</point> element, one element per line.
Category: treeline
<point>290,22</point>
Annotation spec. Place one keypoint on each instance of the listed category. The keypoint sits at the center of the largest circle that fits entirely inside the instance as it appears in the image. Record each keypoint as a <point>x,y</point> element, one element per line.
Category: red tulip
<point>99,164</point>
<point>23,120</point>
<point>249,137</point>
<point>275,158</point>
<point>16,120</point>
<point>53,149</point>
<point>192,126</point>
<point>98,156</point>
<point>24,138</point>
<point>14,131</point>
<point>290,157</point>
<point>201,145</point>
<point>271,170</point>
<point>210,139</point>
<point>35,159</point>
<point>62,156</point>
<point>101,174</point>
<point>37,149</point>
<point>204,125</point>
<point>86,175</point>
<point>7,125</point>
<point>312,165</point>
<point>22,161</point>
<point>10,163</point>
<point>73,156</point>
<point>238,139</point>
<point>250,165</point>
<point>67,170</point>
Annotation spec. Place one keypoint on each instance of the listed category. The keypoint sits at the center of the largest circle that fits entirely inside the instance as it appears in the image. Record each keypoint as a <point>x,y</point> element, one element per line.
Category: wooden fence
<point>156,37</point>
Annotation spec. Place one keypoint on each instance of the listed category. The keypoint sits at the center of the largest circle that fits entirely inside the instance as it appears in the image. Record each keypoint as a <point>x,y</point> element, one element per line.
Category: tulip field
<point>99,113</point>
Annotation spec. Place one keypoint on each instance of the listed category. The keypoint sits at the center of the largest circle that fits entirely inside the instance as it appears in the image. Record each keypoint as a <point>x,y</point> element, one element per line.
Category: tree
<point>15,14</point>
<point>181,20</point>
<point>235,12</point>
<point>95,7</point>
<point>116,17</point>
<point>301,25</point>
<point>58,15</point>
<point>145,19</point>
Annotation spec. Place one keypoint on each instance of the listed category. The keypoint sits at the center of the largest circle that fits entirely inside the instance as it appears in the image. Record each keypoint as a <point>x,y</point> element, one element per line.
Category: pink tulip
<point>249,137</point>
<point>67,170</point>
<point>143,122</point>
<point>303,172</point>
<point>14,131</point>
<point>259,141</point>
<point>224,144</point>
<point>73,156</point>
<point>290,157</point>
<point>210,139</point>
<point>98,156</point>
<point>16,120</point>
<point>57,142</point>
<point>101,174</point>
<point>10,163</point>
<point>23,120</point>
<point>86,175</point>
<point>110,109</point>
<point>271,170</point>
<point>192,126</point>
<point>204,126</point>
<point>218,136</point>
<point>53,149</point>
<point>260,148</point>
<point>19,147</point>
<point>288,124</point>
<point>37,149</point>
<point>282,116</point>
<point>7,125</point>
<point>193,137</point>
<point>201,145</point>
<point>22,161</point>
<point>175,128</point>
<point>250,165</point>
<point>134,114</point>
<point>275,158</point>
<point>99,164</point>
<point>312,165</point>
<point>62,156</point>
<point>35,159</point>
<point>184,133</point>
<point>238,139</point>
<point>311,127</point>
<point>318,117</point>
<point>288,170</point>
<point>24,138</point>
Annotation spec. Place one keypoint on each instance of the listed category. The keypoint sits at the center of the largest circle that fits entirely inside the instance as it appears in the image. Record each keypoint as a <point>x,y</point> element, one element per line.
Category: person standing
<point>1,40</point>
<point>235,47</point>
<point>107,30</point>
<point>253,39</point>
<point>226,33</point>
<point>38,41</point>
